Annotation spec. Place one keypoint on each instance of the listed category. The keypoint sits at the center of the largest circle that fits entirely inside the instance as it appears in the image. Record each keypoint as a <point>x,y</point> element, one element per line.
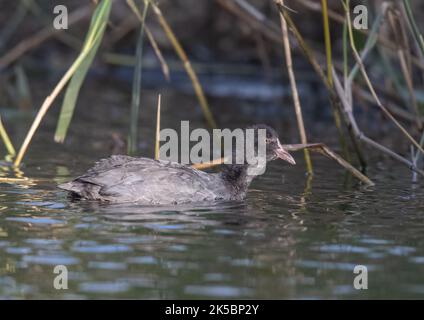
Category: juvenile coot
<point>155,182</point>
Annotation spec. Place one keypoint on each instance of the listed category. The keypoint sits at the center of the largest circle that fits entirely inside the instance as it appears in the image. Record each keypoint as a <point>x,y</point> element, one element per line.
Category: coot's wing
<point>164,184</point>
<point>109,163</point>
<point>125,169</point>
<point>146,181</point>
<point>89,184</point>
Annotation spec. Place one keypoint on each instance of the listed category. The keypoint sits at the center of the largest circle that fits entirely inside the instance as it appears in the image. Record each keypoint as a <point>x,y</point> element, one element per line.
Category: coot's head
<point>266,147</point>
<point>274,149</point>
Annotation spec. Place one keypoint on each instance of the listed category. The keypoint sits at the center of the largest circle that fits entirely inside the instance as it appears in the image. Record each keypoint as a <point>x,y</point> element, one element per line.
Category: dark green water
<point>290,239</point>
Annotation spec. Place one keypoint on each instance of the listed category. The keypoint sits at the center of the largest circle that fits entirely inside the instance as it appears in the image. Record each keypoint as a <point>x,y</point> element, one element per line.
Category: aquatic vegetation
<point>337,91</point>
<point>135,98</point>
<point>91,45</point>
<point>5,137</point>
<point>75,74</point>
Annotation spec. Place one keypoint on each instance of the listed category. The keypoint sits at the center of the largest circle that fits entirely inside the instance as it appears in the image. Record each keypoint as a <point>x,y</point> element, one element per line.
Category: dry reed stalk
<point>323,149</point>
<point>253,18</point>
<point>15,180</point>
<point>347,108</point>
<point>368,81</point>
<point>50,99</point>
<point>187,65</point>
<point>296,100</point>
<point>394,109</point>
<point>206,165</point>
<point>157,140</point>
<point>316,147</point>
<point>337,92</point>
<point>327,40</point>
<point>315,6</point>
<point>403,47</point>
<point>310,56</point>
<point>158,52</point>
<point>419,43</point>
<point>336,112</point>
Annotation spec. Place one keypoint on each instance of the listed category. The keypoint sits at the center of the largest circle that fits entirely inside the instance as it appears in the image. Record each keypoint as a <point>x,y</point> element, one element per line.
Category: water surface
<point>294,237</point>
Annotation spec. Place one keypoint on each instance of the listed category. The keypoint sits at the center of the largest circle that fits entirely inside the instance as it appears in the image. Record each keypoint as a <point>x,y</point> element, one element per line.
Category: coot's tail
<point>75,189</point>
<point>81,189</point>
<point>70,186</point>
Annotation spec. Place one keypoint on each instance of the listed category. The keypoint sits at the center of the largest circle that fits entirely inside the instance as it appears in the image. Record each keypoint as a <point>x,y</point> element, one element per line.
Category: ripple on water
<point>37,220</point>
<point>51,260</point>
<point>419,260</point>
<point>343,289</point>
<point>11,288</point>
<point>104,287</point>
<point>220,291</point>
<point>343,248</point>
<point>375,241</point>
<point>18,250</point>
<point>142,260</point>
<point>50,244</point>
<point>101,248</point>
<point>216,277</point>
<point>51,205</point>
<point>4,244</point>
<point>328,265</point>
<point>164,227</point>
<point>401,250</point>
<point>44,242</point>
<point>107,265</point>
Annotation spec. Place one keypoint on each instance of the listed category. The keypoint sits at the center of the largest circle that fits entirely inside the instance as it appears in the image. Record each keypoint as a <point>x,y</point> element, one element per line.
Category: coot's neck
<point>237,179</point>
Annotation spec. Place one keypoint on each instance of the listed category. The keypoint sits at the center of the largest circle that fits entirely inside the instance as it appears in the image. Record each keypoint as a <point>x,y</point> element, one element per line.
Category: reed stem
<point>369,84</point>
<point>50,99</point>
<point>328,53</point>
<point>295,93</point>
<point>6,140</point>
<point>157,140</point>
<point>136,87</point>
<point>187,65</point>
